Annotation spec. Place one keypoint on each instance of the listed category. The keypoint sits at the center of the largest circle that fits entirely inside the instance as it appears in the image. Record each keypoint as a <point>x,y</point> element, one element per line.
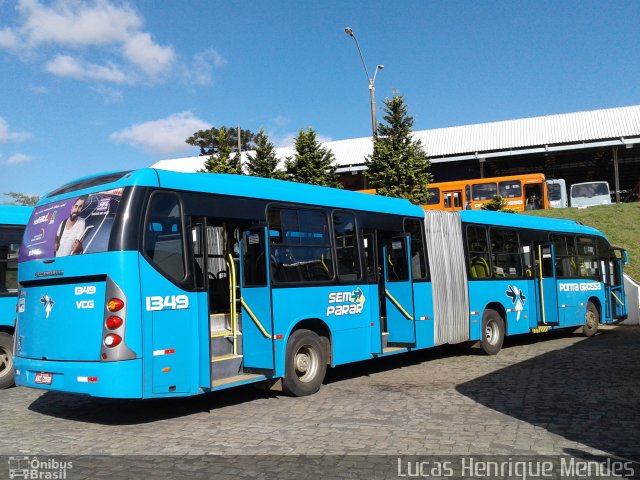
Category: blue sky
<point>92,86</point>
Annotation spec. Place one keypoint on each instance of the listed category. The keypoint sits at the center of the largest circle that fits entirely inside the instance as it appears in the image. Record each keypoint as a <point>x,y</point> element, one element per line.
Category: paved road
<point>542,395</point>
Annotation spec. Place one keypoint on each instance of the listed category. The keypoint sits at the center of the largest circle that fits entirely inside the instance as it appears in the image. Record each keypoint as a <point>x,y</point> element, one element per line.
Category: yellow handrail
<point>254,318</point>
<point>232,298</point>
<point>544,318</point>
<point>616,297</point>
<point>398,306</point>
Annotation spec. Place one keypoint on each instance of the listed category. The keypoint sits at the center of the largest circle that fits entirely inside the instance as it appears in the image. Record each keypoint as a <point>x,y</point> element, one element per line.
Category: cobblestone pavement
<point>550,394</point>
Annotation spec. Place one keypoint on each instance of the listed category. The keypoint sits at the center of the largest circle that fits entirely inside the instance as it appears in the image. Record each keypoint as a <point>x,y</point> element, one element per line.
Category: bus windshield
<point>589,190</point>
<point>555,191</point>
<point>73,226</point>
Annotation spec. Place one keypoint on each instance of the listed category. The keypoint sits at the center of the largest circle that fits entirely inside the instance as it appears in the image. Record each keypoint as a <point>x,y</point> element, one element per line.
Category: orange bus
<point>521,192</point>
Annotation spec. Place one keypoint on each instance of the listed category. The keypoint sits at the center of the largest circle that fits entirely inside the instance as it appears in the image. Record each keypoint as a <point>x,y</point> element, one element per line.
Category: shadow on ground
<point>588,392</point>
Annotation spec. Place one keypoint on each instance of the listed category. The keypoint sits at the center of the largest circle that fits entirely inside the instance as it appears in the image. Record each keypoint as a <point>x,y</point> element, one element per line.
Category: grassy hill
<point>620,223</point>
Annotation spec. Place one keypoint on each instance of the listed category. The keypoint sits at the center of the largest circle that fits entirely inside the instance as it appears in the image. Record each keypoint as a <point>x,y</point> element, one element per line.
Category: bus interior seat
<point>480,268</point>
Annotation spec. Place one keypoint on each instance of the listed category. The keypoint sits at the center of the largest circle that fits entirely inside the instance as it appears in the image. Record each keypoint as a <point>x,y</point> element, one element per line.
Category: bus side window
<point>505,253</point>
<point>478,248</point>
<point>346,241</point>
<point>163,239</point>
<point>418,258</point>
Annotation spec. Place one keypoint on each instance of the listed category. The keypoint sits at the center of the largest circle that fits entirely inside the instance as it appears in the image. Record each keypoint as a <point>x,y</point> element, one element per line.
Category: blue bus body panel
<point>112,379</point>
<point>423,308</point>
<point>15,216</point>
<point>345,309</point>
<point>171,333</point>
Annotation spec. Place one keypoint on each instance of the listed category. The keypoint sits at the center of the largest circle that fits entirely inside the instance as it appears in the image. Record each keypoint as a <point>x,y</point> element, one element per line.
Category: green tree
<point>22,199</point>
<point>209,144</point>
<point>264,162</point>
<point>223,160</point>
<point>399,166</point>
<point>498,204</point>
<point>311,163</point>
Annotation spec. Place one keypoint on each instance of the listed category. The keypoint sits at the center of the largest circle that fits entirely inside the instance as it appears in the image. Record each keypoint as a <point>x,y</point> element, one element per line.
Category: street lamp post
<point>371,80</point>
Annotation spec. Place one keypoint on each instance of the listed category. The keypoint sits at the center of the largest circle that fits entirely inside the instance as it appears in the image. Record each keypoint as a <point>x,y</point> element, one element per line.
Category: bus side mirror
<point>625,257</point>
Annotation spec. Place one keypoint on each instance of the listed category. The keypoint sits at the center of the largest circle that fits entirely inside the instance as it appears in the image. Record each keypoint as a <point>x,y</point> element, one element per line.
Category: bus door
<point>614,288</point>
<point>546,286</point>
<point>255,298</point>
<point>398,291</point>
<point>452,200</point>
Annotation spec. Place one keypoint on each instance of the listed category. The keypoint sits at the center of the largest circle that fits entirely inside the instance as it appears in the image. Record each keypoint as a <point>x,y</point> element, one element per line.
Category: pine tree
<point>264,163</point>
<point>221,161</point>
<point>399,166</point>
<point>207,140</point>
<point>312,163</point>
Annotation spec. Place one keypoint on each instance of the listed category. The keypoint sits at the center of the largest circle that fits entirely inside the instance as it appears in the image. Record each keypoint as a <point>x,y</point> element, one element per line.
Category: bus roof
<point>241,186</point>
<point>14,214</point>
<point>526,221</point>
<point>283,191</point>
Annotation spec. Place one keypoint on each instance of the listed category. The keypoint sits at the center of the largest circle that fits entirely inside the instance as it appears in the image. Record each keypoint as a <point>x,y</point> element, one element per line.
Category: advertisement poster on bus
<point>74,226</point>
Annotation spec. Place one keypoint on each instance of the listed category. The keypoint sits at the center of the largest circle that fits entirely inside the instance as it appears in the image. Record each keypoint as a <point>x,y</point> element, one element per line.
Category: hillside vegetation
<point>620,223</point>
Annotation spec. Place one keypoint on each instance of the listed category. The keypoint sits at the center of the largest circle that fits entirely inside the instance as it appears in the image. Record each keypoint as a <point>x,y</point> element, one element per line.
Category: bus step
<point>236,378</point>
<point>222,344</point>
<point>220,322</point>
<point>226,366</point>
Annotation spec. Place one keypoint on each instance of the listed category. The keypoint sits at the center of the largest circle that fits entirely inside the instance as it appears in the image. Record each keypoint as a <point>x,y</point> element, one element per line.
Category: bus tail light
<point>114,322</point>
<point>114,327</point>
<point>115,304</point>
<point>112,340</point>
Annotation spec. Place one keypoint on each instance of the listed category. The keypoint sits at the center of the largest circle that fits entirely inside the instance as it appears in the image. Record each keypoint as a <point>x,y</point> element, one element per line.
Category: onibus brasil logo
<point>346,303</point>
<point>35,468</point>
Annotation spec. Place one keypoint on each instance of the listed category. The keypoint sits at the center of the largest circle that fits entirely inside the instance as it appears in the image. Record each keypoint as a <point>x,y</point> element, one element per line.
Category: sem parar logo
<point>346,303</point>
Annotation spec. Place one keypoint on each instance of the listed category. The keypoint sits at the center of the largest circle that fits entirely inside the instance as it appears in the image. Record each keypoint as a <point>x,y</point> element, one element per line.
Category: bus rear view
<point>76,326</point>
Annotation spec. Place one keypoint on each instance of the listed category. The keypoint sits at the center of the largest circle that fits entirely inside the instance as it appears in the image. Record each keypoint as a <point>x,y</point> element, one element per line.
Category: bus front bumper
<point>121,379</point>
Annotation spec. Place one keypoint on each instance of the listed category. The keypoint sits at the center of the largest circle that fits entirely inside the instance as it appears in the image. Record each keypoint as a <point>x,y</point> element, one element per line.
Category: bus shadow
<point>587,392</point>
<point>114,412</point>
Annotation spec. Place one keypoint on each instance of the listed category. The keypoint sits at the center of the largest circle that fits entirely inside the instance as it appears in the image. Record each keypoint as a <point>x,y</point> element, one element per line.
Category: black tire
<point>492,333</point>
<point>6,360</point>
<point>591,320</point>
<point>305,364</point>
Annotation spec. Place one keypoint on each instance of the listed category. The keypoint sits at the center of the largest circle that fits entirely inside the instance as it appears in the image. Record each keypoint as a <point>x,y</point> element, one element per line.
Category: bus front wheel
<point>591,320</point>
<point>6,360</point>
<point>305,364</point>
<point>492,332</point>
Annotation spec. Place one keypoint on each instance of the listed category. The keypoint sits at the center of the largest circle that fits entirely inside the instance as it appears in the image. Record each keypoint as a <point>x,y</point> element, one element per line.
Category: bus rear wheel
<point>591,321</point>
<point>305,364</point>
<point>492,334</point>
<point>6,360</point>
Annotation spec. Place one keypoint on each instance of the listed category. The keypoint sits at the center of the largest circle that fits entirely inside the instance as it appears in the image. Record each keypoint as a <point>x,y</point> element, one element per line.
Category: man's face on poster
<point>76,209</point>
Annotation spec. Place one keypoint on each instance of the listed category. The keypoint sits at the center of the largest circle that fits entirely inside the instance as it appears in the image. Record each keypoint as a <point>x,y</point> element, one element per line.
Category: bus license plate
<point>44,378</point>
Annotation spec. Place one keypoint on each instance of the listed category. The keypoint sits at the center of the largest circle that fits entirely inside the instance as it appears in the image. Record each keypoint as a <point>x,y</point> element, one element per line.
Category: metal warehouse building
<point>579,147</point>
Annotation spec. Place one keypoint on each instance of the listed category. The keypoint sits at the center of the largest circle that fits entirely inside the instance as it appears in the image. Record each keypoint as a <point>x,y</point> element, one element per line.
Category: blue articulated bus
<point>153,283</point>
<point>12,222</point>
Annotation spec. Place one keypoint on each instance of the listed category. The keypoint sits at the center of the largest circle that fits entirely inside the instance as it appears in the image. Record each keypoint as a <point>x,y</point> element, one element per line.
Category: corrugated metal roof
<point>566,128</point>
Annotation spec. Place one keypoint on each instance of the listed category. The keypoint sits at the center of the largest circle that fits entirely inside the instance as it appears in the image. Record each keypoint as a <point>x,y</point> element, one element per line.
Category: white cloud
<point>77,23</point>
<point>6,135</point>
<point>148,56</point>
<point>165,136</point>
<point>18,159</point>
<point>201,70</point>
<point>108,35</point>
<point>281,120</point>
<point>38,89</point>
<point>66,66</point>
<point>8,39</point>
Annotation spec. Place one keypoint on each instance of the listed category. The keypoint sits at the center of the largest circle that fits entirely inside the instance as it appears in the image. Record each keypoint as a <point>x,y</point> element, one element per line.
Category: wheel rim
<point>591,320</point>
<point>307,363</point>
<point>491,332</point>
<point>6,363</point>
